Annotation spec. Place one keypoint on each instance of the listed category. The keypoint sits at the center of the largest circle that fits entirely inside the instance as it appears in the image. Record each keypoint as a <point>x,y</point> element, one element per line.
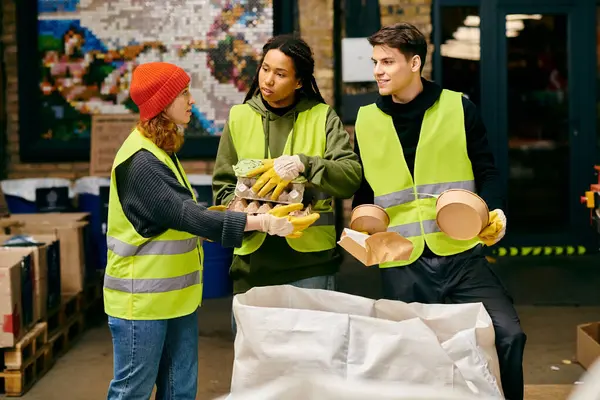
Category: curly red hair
<point>163,132</point>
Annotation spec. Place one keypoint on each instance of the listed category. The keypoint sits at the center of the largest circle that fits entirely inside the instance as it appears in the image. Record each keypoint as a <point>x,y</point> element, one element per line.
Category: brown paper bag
<point>377,248</point>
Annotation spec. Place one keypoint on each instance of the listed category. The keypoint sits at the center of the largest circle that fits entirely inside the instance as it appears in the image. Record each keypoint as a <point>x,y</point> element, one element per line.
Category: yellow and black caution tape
<point>539,251</point>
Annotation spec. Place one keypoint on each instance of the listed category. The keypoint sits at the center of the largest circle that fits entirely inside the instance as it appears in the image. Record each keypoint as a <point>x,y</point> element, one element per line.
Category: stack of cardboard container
<point>42,259</point>
<point>66,228</point>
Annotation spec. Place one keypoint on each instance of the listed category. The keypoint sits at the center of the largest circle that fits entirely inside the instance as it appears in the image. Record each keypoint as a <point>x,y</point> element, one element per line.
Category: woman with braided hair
<point>285,121</point>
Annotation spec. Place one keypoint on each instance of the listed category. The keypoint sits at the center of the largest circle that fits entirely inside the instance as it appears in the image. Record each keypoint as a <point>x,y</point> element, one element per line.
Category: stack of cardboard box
<point>42,258</point>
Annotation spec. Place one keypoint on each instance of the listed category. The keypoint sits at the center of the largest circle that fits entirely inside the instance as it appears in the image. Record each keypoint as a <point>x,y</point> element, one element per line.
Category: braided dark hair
<point>300,53</point>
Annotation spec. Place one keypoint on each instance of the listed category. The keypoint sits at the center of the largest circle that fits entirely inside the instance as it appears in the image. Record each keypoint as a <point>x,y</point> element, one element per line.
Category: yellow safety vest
<point>149,278</point>
<point>441,163</point>
<point>308,137</point>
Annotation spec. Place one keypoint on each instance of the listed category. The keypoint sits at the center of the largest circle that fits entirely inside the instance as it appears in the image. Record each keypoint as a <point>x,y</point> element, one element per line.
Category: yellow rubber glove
<point>218,208</point>
<point>276,174</point>
<point>286,210</point>
<point>495,229</point>
<point>269,181</point>
<point>266,165</point>
<point>300,223</point>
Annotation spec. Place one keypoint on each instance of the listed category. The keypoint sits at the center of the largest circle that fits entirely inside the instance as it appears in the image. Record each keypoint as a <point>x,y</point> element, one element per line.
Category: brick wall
<point>2,105</point>
<point>316,27</point>
<point>416,12</point>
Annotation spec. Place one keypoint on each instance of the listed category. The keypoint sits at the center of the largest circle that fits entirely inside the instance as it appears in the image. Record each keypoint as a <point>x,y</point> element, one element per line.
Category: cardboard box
<point>588,343</point>
<point>109,131</point>
<point>68,228</point>
<point>11,324</point>
<point>40,275</point>
<point>52,246</point>
<point>53,269</point>
<point>24,259</point>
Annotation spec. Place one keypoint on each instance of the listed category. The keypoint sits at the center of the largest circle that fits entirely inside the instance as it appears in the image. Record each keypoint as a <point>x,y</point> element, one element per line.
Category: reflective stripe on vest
<point>159,285</point>
<point>424,191</point>
<point>441,163</point>
<point>153,247</point>
<point>149,278</point>
<point>309,138</point>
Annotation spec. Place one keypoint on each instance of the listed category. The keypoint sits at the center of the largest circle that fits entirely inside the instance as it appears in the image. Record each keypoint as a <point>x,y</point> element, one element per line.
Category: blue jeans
<point>326,282</point>
<point>164,352</point>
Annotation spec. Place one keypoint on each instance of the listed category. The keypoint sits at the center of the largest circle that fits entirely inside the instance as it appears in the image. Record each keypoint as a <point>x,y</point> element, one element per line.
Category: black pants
<point>466,278</point>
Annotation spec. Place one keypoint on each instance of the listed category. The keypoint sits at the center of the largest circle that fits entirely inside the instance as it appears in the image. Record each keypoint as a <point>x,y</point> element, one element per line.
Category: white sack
<point>335,388</point>
<point>289,331</point>
<point>25,188</point>
<point>589,389</point>
<point>90,185</point>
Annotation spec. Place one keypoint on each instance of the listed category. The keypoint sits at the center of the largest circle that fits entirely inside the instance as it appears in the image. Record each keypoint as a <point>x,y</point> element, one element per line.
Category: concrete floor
<point>565,294</point>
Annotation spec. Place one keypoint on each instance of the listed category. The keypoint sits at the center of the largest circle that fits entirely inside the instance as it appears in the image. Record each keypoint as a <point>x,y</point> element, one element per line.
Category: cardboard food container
<point>461,214</point>
<point>255,207</point>
<point>369,218</point>
<point>375,249</point>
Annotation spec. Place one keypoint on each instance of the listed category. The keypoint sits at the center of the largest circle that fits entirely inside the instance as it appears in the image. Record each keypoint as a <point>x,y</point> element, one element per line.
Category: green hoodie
<point>338,174</point>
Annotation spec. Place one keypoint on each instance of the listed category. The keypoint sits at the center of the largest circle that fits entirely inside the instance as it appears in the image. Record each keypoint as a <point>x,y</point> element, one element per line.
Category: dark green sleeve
<point>339,172</point>
<point>224,180</point>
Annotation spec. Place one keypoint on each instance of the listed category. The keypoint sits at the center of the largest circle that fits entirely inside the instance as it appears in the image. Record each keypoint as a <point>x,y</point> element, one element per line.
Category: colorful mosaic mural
<point>88,49</point>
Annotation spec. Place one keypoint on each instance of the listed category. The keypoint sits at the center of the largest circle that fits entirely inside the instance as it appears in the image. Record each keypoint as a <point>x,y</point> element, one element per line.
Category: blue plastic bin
<point>88,192</point>
<point>18,205</point>
<point>217,261</point>
<point>20,194</point>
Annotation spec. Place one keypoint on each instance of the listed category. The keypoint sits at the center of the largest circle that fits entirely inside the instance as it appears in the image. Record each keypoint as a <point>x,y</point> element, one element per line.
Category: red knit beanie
<point>155,85</point>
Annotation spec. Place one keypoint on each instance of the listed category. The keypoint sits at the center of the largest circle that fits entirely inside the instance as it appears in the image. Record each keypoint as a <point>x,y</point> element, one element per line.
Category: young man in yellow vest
<point>153,282</point>
<point>418,140</point>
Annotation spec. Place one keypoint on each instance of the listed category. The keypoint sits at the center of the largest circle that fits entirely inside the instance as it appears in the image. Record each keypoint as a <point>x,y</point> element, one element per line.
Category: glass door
<point>456,58</point>
<point>539,95</point>
<point>537,105</point>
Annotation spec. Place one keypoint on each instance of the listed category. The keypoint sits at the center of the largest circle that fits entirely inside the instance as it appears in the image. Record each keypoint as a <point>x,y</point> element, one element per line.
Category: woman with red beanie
<point>153,280</point>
